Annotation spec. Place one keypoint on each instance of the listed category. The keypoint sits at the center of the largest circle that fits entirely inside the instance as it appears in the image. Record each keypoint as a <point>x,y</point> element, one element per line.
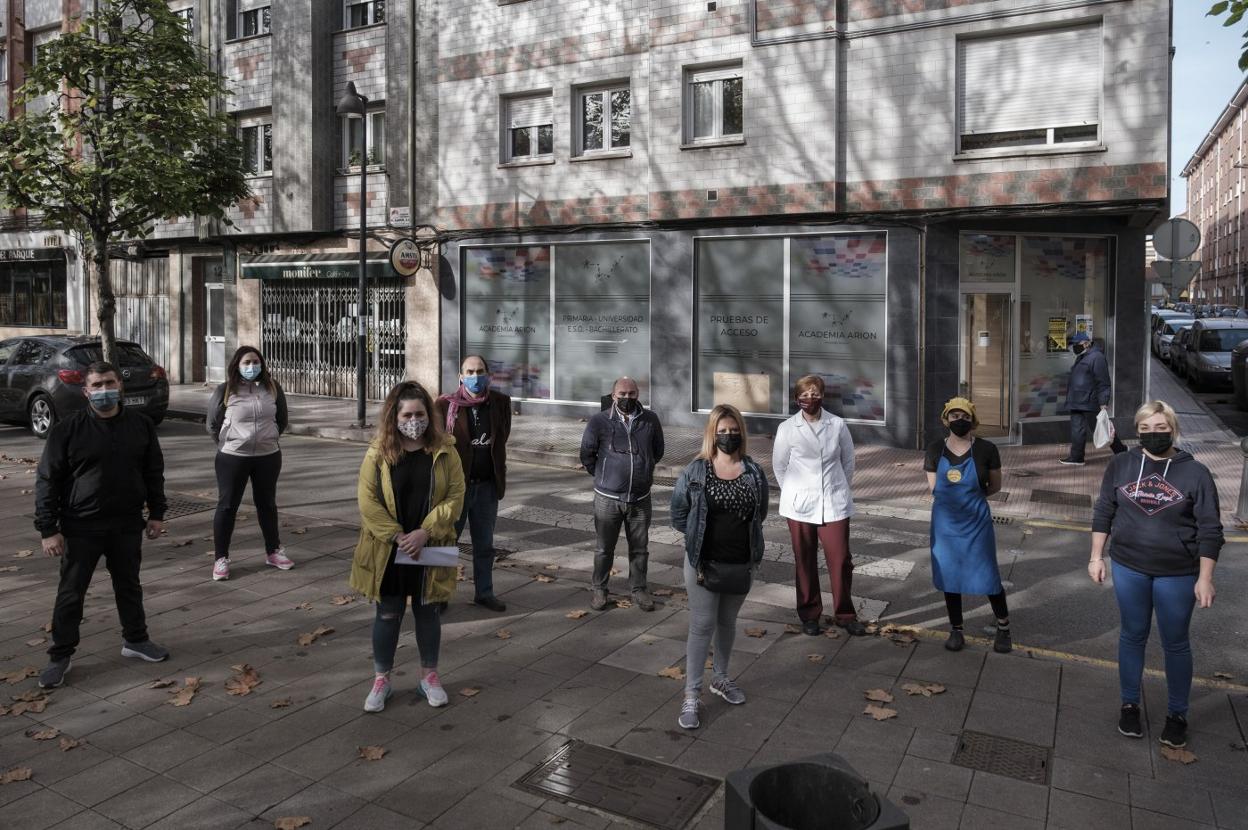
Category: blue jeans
<point>480,513</point>
<point>389,622</point>
<point>1174,598</point>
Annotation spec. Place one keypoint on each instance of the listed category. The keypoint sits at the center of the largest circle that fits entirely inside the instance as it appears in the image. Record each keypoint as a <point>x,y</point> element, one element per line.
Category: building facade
<point>1216,204</point>
<point>914,199</point>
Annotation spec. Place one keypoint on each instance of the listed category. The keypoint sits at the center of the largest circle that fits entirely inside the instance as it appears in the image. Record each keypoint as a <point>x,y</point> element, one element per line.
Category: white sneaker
<point>376,700</point>
<point>432,691</point>
<point>221,569</point>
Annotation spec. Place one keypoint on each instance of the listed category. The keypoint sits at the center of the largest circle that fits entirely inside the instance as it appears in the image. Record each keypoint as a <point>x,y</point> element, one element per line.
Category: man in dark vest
<point>1087,393</point>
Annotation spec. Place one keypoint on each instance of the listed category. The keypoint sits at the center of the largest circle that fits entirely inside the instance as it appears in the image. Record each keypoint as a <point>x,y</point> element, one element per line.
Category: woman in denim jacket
<point>719,503</point>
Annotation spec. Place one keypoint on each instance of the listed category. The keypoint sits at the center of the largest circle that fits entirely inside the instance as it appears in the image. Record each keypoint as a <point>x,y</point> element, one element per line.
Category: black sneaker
<point>146,650</point>
<point>492,603</point>
<point>598,599</point>
<point>854,627</point>
<point>1070,462</point>
<point>956,641</point>
<point>1003,643</point>
<point>1129,721</point>
<point>1175,733</point>
<point>812,628</point>
<point>53,675</point>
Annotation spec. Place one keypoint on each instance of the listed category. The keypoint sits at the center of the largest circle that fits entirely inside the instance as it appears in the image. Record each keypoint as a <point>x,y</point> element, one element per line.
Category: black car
<point>41,379</point>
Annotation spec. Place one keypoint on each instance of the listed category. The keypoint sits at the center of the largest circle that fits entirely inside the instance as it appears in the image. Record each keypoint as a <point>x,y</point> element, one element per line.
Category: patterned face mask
<point>414,428</point>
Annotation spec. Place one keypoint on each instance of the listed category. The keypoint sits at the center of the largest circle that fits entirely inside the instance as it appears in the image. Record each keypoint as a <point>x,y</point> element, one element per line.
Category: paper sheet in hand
<point>433,557</point>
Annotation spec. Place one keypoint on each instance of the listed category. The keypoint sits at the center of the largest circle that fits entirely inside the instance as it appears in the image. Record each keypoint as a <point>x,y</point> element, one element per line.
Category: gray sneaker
<point>689,714</point>
<point>599,600</point>
<point>728,690</point>
<point>54,673</point>
<point>146,650</point>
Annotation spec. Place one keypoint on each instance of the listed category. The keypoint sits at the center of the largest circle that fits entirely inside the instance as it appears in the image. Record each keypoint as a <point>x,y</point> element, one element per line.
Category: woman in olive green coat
<point>411,491</point>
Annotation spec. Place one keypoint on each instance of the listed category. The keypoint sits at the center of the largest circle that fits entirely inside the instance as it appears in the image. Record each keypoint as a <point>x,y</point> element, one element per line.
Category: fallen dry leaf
<point>662,592</point>
<point>544,578</point>
<point>303,606</point>
<point>879,712</point>
<point>709,664</point>
<point>291,822</point>
<point>1223,675</point>
<point>299,531</point>
<point>184,696</point>
<point>459,573</point>
<point>790,628</point>
<point>27,492</point>
<point>22,554</point>
<point>577,614</point>
<point>38,641</point>
<point>308,638</point>
<point>372,753</point>
<point>343,599</point>
<point>815,658</point>
<point>832,633</point>
<point>674,672</point>
<point>623,603</point>
<point>503,634</point>
<point>280,704</point>
<point>244,681</point>
<point>925,689</point>
<point>47,628</point>
<point>1181,756</point>
<point>615,572</point>
<point>878,695</point>
<point>182,544</point>
<point>551,567</point>
<point>161,684</point>
<point>470,691</point>
<point>43,734</point>
<point>755,632</point>
<point>69,743</point>
<point>22,707</point>
<point>15,774</point>
<point>29,695</point>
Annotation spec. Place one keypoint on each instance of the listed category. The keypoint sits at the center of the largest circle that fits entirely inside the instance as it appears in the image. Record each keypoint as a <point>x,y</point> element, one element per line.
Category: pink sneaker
<point>376,700</point>
<point>279,560</point>
<point>432,691</point>
<point>221,569</point>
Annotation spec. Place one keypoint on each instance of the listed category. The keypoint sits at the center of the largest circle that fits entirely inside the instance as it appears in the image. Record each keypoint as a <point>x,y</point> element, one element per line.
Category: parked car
<point>1156,321</point>
<point>1208,355</point>
<point>41,379</point>
<point>1239,374</point>
<point>1178,349</point>
<point>1164,335</point>
<point>1228,311</point>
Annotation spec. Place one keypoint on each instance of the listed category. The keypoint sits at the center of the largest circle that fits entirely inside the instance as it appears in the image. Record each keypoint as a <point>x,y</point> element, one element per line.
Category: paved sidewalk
<point>522,684</point>
<point>887,481</point>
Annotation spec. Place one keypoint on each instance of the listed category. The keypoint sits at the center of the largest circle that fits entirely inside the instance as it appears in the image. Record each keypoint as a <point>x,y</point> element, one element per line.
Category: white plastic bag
<point>1103,435</point>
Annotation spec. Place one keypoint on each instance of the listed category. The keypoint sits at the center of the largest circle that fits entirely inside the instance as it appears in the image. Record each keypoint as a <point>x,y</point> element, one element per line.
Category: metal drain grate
<point>1062,497</point>
<point>1000,495</point>
<point>655,794</point>
<point>1002,520</point>
<point>185,506</point>
<point>1003,756</point>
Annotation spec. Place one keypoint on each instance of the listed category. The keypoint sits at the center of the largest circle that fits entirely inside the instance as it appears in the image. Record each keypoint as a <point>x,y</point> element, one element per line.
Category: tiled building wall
<point>347,201</point>
<point>253,215</point>
<point>248,67</point>
<point>360,56</point>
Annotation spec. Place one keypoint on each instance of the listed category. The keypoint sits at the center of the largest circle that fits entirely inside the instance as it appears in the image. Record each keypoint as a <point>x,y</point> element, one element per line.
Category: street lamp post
<point>354,105</point>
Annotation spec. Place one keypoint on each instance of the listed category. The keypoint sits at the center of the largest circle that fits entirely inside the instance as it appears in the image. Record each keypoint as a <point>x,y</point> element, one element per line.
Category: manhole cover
<point>1062,497</point>
<point>1003,756</point>
<point>184,506</point>
<point>611,781</point>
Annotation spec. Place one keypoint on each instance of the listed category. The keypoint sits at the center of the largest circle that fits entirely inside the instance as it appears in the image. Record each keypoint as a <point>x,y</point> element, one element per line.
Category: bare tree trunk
<point>106,303</point>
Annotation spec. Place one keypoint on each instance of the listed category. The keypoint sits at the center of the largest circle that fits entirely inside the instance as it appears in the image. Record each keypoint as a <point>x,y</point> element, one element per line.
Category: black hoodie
<point>1162,516</point>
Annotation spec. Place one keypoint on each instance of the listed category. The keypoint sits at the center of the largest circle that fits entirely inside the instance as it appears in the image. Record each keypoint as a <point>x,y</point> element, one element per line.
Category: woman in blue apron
<point>963,472</point>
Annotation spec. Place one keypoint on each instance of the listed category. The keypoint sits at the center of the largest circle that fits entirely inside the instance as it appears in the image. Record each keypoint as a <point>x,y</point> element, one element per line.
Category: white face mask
<point>414,428</point>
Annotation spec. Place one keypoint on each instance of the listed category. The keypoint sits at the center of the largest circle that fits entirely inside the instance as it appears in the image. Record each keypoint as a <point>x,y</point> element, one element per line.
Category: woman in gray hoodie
<point>246,416</point>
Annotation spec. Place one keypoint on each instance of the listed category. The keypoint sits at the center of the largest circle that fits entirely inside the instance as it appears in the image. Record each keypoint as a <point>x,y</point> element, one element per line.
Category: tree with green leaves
<point>120,129</point>
<point>1234,11</point>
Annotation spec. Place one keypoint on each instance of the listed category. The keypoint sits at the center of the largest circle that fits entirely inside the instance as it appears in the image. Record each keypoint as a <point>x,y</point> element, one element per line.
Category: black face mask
<point>728,442</point>
<point>1157,443</point>
<point>626,405</point>
<point>1078,348</point>
<point>961,428</point>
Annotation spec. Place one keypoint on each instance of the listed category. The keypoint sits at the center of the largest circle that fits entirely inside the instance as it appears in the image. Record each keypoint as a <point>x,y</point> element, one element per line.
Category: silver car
<point>1164,335</point>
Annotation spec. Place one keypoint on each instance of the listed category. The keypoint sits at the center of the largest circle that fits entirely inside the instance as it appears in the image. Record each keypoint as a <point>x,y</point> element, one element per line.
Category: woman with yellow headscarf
<point>962,472</point>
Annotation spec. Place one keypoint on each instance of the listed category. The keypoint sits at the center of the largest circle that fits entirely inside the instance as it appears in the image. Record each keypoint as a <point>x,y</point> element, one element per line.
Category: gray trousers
<point>609,516</point>
<point>710,614</point>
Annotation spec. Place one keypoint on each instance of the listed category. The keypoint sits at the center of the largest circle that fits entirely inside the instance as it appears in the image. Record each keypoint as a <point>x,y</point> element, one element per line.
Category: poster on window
<point>507,316</point>
<point>838,319</point>
<point>740,323</point>
<point>602,318</point>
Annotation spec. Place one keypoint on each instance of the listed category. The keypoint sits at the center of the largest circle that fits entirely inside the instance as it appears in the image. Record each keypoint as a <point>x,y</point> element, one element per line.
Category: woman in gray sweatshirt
<point>1158,509</point>
<point>246,416</point>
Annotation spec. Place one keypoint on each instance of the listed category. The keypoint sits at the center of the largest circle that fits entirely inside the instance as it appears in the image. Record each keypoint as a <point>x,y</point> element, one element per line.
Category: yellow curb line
<point>1230,537</point>
<point>1098,662</point>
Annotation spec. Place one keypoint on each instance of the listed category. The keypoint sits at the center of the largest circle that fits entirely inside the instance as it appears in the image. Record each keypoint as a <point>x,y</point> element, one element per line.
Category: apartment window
<point>187,16</point>
<point>714,105</point>
<point>4,64</point>
<point>257,148</point>
<point>365,13</point>
<point>530,131</point>
<point>605,117</point>
<point>364,139</point>
<point>254,19</point>
<point>1033,89</point>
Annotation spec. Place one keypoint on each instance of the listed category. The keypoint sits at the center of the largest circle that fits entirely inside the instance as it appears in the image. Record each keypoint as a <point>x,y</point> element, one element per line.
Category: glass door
<point>987,359</point>
<point>214,336</point>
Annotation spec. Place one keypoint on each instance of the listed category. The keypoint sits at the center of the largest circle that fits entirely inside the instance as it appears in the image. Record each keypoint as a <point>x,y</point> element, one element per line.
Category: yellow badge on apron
<point>954,475</point>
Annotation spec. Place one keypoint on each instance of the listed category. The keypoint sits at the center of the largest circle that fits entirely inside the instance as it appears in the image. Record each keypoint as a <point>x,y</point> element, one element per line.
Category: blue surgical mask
<point>476,383</point>
<point>251,371</point>
<point>105,399</point>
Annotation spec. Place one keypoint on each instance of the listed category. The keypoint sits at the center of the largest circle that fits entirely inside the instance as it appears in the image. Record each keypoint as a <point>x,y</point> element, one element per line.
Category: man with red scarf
<point>480,420</point>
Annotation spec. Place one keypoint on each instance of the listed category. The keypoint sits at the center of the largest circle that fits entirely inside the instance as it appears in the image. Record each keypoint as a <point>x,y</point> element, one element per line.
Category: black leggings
<point>953,604</point>
<point>233,471</point>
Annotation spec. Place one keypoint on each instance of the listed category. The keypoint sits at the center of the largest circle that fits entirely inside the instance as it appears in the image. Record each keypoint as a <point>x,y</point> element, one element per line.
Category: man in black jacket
<point>1087,392</point>
<point>620,449</point>
<point>99,468</point>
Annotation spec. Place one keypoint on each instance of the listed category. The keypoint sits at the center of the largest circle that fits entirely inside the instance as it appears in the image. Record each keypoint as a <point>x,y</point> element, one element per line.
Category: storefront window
<point>751,347</point>
<point>33,294</point>
<point>559,322</point>
<point>1063,286</point>
<point>986,257</point>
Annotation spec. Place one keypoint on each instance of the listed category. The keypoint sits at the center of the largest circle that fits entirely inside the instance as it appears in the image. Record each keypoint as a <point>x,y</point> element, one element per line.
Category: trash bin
<point>821,792</point>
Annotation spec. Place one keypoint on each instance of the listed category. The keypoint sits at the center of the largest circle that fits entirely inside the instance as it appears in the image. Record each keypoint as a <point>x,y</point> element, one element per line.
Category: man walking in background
<point>1087,393</point>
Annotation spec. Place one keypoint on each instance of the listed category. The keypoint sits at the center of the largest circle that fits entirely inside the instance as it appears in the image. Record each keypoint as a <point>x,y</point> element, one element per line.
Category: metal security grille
<point>141,287</point>
<point>308,334</point>
<point>1003,756</point>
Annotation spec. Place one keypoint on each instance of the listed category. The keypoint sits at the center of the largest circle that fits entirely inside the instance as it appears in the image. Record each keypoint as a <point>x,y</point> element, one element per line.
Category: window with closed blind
<point>528,128</point>
<point>1030,89</point>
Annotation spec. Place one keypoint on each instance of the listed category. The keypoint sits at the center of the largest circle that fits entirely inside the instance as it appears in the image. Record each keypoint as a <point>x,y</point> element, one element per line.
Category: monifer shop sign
<point>343,266</point>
